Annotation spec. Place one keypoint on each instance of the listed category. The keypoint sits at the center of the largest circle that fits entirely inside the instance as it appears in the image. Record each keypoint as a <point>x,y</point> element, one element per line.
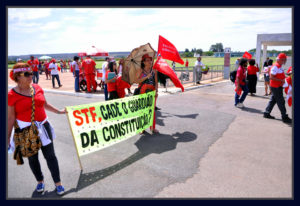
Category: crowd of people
<point>274,77</point>
<point>26,77</point>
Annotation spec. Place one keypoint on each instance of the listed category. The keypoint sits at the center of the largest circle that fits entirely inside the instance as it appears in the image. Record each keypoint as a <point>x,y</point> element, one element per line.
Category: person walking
<point>148,81</point>
<point>240,83</point>
<point>54,73</point>
<point>19,112</point>
<point>47,71</point>
<point>89,69</point>
<point>104,68</point>
<point>76,68</point>
<point>266,73</point>
<point>277,79</point>
<point>198,68</point>
<point>34,65</point>
<point>252,76</point>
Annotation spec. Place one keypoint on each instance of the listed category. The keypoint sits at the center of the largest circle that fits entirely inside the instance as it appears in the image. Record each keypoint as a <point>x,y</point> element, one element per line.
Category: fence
<point>188,74</point>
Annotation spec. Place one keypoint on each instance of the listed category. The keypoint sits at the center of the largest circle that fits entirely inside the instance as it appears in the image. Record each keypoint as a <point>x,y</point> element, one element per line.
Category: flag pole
<point>74,142</point>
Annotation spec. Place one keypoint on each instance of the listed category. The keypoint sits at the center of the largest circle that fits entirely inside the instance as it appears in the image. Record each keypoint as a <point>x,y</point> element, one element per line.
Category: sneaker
<point>60,190</point>
<point>268,116</point>
<point>286,119</point>
<point>40,187</point>
<point>239,105</point>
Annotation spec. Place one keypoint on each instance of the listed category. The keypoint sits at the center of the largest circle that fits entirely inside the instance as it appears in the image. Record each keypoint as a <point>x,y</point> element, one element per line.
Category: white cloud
<point>23,14</point>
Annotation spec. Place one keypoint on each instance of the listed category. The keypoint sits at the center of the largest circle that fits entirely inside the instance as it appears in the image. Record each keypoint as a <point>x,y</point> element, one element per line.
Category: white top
<point>104,70</point>
<point>75,65</point>
<point>54,68</point>
<point>198,65</point>
<point>120,70</point>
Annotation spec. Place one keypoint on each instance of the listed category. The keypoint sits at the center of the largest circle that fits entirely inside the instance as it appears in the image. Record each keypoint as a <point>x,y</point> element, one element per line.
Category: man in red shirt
<point>277,79</point>
<point>89,68</point>
<point>34,66</point>
<point>240,83</point>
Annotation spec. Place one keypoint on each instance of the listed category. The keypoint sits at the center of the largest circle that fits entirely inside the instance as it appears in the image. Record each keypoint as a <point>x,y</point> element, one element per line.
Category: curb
<point>162,93</point>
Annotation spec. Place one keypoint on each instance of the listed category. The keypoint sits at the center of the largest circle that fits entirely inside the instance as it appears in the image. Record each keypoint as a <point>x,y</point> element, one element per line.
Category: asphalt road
<point>147,166</point>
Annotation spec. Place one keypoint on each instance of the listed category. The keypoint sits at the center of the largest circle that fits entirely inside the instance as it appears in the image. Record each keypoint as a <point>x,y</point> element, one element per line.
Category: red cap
<point>289,71</point>
<point>146,56</point>
<point>53,60</point>
<point>281,56</point>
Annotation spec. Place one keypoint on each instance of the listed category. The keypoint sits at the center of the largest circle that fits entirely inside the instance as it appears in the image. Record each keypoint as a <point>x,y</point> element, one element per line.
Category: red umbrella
<point>93,51</point>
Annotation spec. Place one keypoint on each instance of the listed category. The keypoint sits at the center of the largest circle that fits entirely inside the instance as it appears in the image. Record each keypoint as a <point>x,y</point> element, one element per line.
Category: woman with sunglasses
<point>20,108</point>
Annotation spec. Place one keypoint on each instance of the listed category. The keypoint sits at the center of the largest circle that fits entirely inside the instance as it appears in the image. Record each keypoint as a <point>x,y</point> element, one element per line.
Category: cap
<point>53,60</point>
<point>289,71</point>
<point>281,56</point>
<point>146,56</point>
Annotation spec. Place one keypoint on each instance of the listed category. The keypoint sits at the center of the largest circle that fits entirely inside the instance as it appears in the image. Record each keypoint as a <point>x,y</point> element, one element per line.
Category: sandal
<point>155,131</point>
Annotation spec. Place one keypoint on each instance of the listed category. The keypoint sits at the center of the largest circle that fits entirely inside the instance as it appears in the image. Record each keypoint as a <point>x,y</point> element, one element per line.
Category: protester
<point>148,81</point>
<point>34,65</point>
<point>40,67</point>
<point>252,76</point>
<point>89,68</point>
<point>76,69</point>
<point>104,68</point>
<point>277,79</point>
<point>237,63</point>
<point>120,67</point>
<point>198,67</point>
<point>47,71</point>
<point>240,83</point>
<point>111,83</point>
<point>173,66</point>
<point>288,87</point>
<point>266,62</point>
<point>19,111</point>
<point>266,73</point>
<point>54,73</point>
<point>62,66</point>
<point>186,63</point>
<point>19,60</point>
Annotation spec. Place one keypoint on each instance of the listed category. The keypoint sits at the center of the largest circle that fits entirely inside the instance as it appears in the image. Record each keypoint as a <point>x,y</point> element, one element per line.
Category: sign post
<point>227,62</point>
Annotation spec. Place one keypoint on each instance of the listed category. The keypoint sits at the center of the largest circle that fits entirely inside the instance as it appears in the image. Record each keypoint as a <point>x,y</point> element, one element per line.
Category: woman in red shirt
<point>19,110</point>
<point>240,83</point>
<point>111,84</point>
<point>252,77</point>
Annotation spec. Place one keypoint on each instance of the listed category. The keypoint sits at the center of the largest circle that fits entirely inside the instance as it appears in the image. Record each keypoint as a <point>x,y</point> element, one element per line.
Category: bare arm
<point>11,120</point>
<point>140,80</point>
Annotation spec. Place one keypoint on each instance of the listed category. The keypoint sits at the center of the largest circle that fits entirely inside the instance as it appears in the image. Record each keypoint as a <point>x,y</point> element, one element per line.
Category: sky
<point>72,30</point>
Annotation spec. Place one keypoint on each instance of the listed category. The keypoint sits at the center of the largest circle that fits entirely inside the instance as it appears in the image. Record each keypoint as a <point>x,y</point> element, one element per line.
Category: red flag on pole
<point>247,55</point>
<point>168,51</point>
<point>162,66</point>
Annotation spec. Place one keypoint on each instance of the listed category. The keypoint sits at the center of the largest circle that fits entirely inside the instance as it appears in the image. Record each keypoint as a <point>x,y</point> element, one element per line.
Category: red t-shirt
<point>110,86</point>
<point>88,64</point>
<point>241,73</point>
<point>23,104</point>
<point>47,65</point>
<point>252,70</point>
<point>186,64</point>
<point>34,64</point>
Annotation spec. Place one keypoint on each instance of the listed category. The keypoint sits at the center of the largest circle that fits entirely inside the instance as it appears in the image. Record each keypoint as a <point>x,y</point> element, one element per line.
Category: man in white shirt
<point>76,70</point>
<point>54,72</point>
<point>198,68</point>
<point>104,65</point>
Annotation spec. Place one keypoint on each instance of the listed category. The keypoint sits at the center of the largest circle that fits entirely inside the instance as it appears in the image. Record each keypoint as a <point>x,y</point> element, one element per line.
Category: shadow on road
<point>252,110</point>
<point>147,144</point>
<point>160,116</point>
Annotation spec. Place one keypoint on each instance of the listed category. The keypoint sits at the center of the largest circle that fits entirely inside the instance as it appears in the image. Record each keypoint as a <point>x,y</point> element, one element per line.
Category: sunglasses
<point>26,74</point>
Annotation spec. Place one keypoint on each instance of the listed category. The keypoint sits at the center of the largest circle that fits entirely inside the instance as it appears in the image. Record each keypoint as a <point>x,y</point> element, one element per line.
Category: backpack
<point>232,76</point>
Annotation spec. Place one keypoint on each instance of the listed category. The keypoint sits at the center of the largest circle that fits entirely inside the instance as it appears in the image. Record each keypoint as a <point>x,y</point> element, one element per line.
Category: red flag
<point>162,66</point>
<point>247,55</point>
<point>168,51</point>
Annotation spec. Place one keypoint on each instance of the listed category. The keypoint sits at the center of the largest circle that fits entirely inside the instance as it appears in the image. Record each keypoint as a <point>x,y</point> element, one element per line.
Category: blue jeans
<point>105,92</point>
<point>35,77</point>
<point>77,81</point>
<point>57,78</point>
<point>241,99</point>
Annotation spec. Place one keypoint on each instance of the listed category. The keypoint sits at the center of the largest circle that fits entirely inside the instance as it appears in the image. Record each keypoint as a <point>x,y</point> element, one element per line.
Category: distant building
<point>232,54</point>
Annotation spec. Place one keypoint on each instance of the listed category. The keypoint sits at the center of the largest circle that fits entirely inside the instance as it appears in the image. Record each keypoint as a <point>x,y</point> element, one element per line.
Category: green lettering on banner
<point>99,125</point>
